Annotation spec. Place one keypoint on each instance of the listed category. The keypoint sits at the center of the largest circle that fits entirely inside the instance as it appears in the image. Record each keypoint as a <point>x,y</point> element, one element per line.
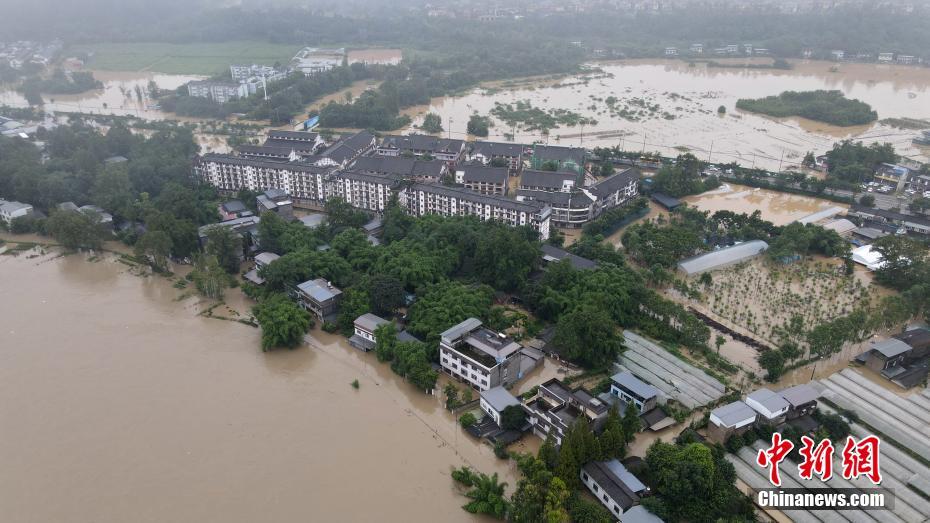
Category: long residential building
<point>422,198</point>
<point>304,182</point>
<point>480,357</point>
<point>574,206</point>
<point>312,184</point>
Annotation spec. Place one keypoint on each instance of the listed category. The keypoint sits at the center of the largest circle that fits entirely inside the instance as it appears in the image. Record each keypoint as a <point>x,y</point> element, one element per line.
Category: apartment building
<point>479,356</point>
<point>304,182</point>
<point>420,199</point>
<point>486,152</point>
<point>445,149</point>
<point>220,92</point>
<point>365,191</point>
<point>483,179</point>
<point>556,407</point>
<point>572,205</point>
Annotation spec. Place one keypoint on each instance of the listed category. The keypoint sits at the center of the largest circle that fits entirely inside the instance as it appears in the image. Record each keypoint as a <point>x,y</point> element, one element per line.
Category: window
<point>596,488</point>
<point>584,476</point>
<point>606,499</point>
<point>616,509</point>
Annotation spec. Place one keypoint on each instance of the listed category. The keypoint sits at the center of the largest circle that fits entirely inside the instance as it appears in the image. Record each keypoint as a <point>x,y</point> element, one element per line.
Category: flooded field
<point>777,207</point>
<point>120,403</point>
<point>119,96</point>
<point>686,99</point>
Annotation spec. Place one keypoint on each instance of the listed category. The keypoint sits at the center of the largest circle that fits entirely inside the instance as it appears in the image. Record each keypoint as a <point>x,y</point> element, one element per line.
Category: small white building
<point>613,485</point>
<point>730,419</point>
<point>770,406</point>
<point>364,336</point>
<point>9,211</point>
<point>495,400</point>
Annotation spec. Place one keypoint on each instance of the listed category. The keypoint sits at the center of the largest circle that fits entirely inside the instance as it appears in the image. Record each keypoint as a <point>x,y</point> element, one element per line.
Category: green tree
<point>588,336</point>
<point>432,123</point>
<point>467,420</point>
<point>513,417</point>
<point>209,277</point>
<point>226,246</point>
<point>451,393</point>
<point>904,261</point>
<point>355,302</point>
<point>156,247</point>
<point>272,229</point>
<point>283,322</point>
<point>113,190</point>
<point>487,497</point>
<point>387,294</point>
<point>385,342</point>
<point>555,502</point>
<point>478,125</point>
<point>867,200</point>
<point>612,439</point>
<point>75,230</point>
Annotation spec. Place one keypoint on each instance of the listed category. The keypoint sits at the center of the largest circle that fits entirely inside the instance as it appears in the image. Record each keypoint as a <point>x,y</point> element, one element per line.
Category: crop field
<point>197,58</point>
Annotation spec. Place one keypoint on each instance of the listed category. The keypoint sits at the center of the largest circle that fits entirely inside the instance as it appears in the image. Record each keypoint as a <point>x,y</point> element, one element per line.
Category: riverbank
<point>147,411</point>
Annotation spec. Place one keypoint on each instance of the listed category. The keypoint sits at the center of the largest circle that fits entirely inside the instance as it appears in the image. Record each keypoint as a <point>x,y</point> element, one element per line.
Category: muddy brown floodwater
<point>688,97</point>
<point>119,403</point>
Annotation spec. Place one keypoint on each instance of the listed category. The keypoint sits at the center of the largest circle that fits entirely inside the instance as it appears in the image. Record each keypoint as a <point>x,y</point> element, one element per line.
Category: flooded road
<point>777,207</point>
<point>687,98</point>
<point>119,95</point>
<point>119,403</point>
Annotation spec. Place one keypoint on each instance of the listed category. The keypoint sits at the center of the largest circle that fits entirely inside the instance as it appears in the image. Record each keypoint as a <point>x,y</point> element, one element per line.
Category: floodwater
<point>691,95</point>
<point>118,95</point>
<point>777,207</point>
<point>119,403</point>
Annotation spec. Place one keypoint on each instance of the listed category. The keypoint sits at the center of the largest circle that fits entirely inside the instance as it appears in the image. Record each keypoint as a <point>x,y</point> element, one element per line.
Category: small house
<point>494,400</point>
<point>276,201</point>
<point>233,209</point>
<point>319,297</point>
<point>553,254</point>
<point>262,260</point>
<point>771,406</point>
<point>631,390</point>
<point>613,485</point>
<point>728,420</point>
<point>885,355</point>
<point>802,400</point>
<point>9,211</point>
<point>365,326</point>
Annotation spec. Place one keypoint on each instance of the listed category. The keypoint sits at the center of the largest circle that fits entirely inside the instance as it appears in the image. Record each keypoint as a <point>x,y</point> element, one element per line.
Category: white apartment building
<point>478,356</point>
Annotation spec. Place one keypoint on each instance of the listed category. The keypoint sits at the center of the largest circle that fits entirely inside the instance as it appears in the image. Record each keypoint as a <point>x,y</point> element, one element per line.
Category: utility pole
<point>782,159</point>
<point>644,143</point>
<point>450,127</point>
<point>710,154</point>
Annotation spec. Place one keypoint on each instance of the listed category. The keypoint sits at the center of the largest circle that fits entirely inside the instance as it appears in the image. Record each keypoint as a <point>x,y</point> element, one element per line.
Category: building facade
<point>478,356</point>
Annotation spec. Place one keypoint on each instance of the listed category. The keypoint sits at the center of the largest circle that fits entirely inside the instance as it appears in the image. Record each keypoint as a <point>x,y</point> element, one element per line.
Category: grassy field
<point>200,58</point>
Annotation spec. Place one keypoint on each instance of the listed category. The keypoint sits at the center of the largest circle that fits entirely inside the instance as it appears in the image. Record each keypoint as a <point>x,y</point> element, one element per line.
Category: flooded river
<point>119,95</point>
<point>119,403</point>
<point>690,95</point>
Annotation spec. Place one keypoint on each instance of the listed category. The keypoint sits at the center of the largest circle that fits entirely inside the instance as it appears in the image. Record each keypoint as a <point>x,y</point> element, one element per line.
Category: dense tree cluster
<point>408,359</point>
<point>153,188</point>
<point>823,106</point>
<point>855,162</point>
<point>683,178</point>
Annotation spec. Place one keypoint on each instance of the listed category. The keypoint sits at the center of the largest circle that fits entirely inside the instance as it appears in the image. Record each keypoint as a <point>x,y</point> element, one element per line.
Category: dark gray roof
<point>614,183</point>
<point>639,514</point>
<point>262,163</point>
<point>384,164</point>
<point>369,322</point>
<point>276,194</point>
<point>870,232</point>
<point>389,180</point>
<point>423,142</point>
<point>290,145</point>
<point>489,199</point>
<point>799,394</point>
<point>634,385</point>
<point>303,136</point>
<point>562,200</point>
<point>319,289</point>
<point>611,484</point>
<point>266,257</point>
<point>428,169</point>
<point>499,398</point>
<point>888,215</point>
<point>559,153</point>
<point>891,347</point>
<point>917,338</point>
<point>772,401</point>
<point>550,179</point>
<point>234,206</point>
<point>483,174</point>
<point>265,151</point>
<point>405,335</point>
<point>733,413</point>
<point>491,149</point>
<point>359,141</point>
<point>553,253</point>
<point>665,200</point>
